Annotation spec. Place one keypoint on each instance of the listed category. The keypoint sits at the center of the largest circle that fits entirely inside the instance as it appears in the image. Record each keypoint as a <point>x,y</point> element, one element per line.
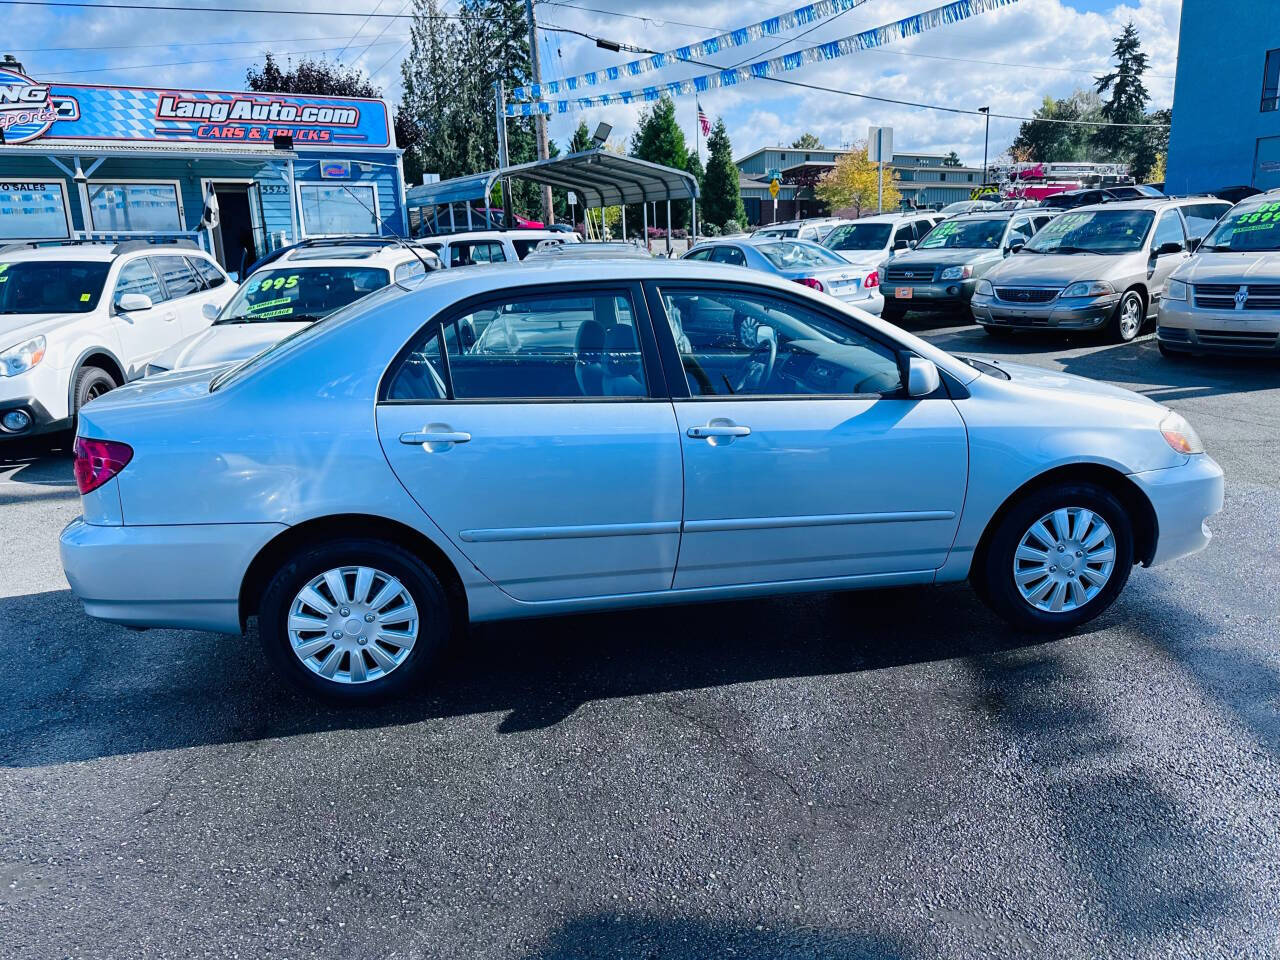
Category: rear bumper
<point>1184,498</point>
<point>873,303</point>
<point>1057,314</point>
<point>162,576</point>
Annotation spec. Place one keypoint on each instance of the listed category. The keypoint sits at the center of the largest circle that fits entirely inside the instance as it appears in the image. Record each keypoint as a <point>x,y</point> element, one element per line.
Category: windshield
<point>859,236</point>
<point>779,232</point>
<point>1248,228</point>
<point>975,234</point>
<point>51,286</point>
<point>300,293</point>
<point>1093,231</point>
<point>796,255</point>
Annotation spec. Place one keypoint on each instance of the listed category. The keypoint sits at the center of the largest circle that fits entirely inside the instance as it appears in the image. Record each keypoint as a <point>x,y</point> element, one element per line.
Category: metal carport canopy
<point>600,178</point>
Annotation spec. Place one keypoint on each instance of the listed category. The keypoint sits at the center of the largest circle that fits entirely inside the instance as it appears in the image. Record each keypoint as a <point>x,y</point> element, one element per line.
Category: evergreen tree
<point>659,139</point>
<point>722,200</point>
<point>581,139</point>
<point>806,141</point>
<point>1046,142</point>
<point>1128,99</point>
<point>952,159</point>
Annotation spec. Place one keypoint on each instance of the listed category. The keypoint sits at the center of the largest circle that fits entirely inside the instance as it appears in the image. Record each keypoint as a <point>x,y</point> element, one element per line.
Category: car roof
<point>354,255</point>
<point>536,234</point>
<point>100,252</point>
<point>1148,203</point>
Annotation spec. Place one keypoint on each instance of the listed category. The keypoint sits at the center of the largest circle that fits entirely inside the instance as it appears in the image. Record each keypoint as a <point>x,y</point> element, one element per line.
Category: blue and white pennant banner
<point>803,16</point>
<point>868,39</point>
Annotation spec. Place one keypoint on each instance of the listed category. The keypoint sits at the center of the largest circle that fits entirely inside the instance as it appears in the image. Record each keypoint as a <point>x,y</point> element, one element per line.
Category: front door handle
<point>718,431</point>
<point>435,437</point>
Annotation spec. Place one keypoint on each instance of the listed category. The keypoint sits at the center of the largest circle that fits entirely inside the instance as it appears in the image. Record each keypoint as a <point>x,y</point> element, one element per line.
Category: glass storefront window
<point>135,207</point>
<point>33,211</point>
<point>340,209</point>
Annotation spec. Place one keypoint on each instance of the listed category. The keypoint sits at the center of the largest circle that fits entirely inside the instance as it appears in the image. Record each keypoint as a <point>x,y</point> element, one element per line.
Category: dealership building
<point>238,173</point>
<point>1226,100</point>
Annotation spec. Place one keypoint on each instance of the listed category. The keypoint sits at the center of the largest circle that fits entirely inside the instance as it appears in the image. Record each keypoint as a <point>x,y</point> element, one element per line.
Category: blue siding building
<point>238,173</point>
<point>1226,102</point>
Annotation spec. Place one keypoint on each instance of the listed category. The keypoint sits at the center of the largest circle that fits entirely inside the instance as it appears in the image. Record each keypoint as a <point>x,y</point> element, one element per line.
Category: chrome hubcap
<point>1064,560</point>
<point>353,624</point>
<point>1130,318</point>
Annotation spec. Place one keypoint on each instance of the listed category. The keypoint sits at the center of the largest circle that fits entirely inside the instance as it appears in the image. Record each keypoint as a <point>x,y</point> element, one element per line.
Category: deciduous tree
<point>854,182</point>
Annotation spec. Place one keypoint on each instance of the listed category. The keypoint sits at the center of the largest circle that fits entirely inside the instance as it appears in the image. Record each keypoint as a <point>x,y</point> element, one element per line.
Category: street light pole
<point>986,139</point>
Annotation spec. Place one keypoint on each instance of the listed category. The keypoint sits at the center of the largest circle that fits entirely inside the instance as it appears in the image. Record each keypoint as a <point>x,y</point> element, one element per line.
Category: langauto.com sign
<point>30,110</point>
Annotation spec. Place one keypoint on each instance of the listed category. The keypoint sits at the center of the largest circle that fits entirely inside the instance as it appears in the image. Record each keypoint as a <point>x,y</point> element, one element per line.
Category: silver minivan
<point>1102,267</point>
<point>1226,299</point>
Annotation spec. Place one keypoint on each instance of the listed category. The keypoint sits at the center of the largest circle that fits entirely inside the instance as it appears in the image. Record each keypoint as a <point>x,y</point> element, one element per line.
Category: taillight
<point>813,282</point>
<point>873,280</point>
<point>97,461</point>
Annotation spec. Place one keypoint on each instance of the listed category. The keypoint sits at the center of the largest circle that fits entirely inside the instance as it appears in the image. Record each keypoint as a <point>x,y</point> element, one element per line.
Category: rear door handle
<point>435,437</point>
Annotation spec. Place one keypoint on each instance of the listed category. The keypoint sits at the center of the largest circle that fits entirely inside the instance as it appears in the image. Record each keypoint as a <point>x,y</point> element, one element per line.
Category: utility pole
<point>500,107</point>
<point>540,119</point>
<point>986,138</point>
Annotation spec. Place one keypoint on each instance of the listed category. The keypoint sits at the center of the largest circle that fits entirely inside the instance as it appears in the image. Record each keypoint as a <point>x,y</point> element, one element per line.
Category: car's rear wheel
<point>1126,322</point>
<point>1058,558</point>
<point>354,620</point>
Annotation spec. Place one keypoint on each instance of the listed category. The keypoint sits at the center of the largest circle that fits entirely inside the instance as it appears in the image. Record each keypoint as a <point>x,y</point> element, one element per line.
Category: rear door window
<point>178,277</point>
<point>209,275</point>
<point>731,255</point>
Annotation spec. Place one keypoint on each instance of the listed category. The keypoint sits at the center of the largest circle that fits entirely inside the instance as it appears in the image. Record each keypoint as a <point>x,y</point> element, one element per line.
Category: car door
<point>548,451</point>
<point>1169,236</point>
<point>142,333</point>
<point>818,468</point>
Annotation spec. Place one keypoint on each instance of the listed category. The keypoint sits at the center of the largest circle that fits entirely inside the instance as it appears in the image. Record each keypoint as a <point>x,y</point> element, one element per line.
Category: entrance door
<point>235,243</point>
<point>803,458</point>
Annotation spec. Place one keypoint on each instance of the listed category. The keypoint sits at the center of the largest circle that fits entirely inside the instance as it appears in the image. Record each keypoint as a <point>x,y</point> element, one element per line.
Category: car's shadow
<point>76,688</point>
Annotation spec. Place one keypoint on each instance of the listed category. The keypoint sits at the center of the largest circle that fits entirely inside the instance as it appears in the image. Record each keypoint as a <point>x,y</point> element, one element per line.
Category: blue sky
<point>1010,58</point>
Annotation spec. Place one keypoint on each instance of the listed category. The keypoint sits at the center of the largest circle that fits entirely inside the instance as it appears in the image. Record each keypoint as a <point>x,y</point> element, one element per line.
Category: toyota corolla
<point>630,433</point>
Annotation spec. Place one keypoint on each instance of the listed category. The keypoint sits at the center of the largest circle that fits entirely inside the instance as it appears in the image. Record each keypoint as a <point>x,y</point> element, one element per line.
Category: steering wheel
<point>755,370</point>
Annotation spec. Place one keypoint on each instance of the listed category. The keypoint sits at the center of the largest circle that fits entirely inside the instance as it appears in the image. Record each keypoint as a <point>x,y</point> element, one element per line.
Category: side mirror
<point>133,302</point>
<point>766,334</point>
<point>903,244</point>
<point>1171,247</point>
<point>922,377</point>
<point>210,311</point>
<point>1015,246</point>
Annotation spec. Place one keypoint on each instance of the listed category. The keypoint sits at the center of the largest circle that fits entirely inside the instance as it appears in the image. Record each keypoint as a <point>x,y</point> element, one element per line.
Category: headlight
<point>21,357</point>
<point>956,273</point>
<point>1089,288</point>
<point>1180,435</point>
<point>985,289</point>
<point>1176,290</point>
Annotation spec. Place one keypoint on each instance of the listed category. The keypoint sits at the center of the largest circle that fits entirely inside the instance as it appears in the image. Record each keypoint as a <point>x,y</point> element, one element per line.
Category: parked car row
<point>79,319</point>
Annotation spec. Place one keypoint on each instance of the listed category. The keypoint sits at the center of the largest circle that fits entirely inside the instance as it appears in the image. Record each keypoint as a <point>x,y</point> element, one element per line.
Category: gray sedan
<point>1097,268</point>
<point>799,260</point>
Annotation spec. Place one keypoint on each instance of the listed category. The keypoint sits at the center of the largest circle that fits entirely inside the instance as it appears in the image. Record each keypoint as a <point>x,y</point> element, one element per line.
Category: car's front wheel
<point>1058,558</point>
<point>1126,322</point>
<point>354,620</point>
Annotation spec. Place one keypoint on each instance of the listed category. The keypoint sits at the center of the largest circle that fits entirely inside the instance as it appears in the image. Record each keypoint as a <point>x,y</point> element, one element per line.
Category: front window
<point>749,343</point>
<point>964,234</point>
<point>33,211</point>
<point>859,236</point>
<point>1094,231</point>
<point>1271,82</point>
<point>338,210</point>
<point>51,286</point>
<point>135,207</point>
<point>293,294</point>
<point>794,255</point>
<point>1247,228</point>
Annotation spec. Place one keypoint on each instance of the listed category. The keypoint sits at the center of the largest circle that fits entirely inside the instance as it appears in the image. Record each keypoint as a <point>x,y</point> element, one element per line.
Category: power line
<point>181,63</point>
<point>274,11</point>
<point>176,43</point>
<point>364,23</point>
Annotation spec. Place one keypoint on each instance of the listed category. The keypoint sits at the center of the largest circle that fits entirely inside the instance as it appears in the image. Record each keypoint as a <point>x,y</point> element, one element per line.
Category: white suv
<point>77,320</point>
<point>291,290</point>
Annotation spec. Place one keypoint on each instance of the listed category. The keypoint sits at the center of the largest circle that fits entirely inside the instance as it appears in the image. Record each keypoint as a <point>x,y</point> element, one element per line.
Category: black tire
<point>1116,328</point>
<point>892,314</point>
<point>994,574</point>
<point>424,587</point>
<point>91,382</point>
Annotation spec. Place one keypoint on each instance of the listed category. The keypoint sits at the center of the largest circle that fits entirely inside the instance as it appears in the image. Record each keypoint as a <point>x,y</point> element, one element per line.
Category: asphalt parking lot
<point>892,774</point>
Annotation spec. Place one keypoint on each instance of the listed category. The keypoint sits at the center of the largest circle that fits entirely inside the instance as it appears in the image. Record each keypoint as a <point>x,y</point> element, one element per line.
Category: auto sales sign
<point>30,110</point>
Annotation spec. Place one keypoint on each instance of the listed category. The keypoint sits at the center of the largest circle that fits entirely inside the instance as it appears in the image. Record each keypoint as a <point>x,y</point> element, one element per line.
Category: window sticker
<point>86,297</point>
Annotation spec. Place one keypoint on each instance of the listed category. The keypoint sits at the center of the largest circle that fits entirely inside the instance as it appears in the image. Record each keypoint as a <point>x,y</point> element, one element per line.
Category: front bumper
<point>1188,329</point>
<point>42,421</point>
<point>1073,314</point>
<point>163,576</point>
<point>935,295</point>
<point>1183,498</point>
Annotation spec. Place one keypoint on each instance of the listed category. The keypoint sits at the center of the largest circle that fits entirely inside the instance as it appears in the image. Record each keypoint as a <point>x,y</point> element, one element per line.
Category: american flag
<point>703,120</point>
